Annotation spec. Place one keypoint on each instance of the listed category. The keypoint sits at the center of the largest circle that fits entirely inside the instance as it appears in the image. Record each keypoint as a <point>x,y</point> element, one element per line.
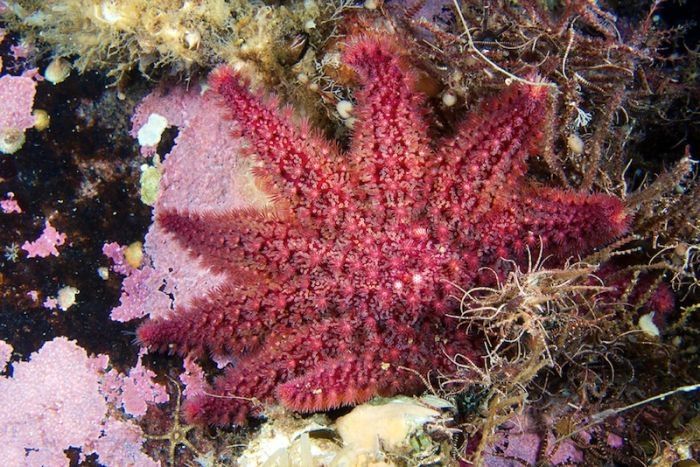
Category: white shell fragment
<point>344,109</point>
<point>149,134</point>
<point>575,143</point>
<point>449,99</point>
<point>57,71</point>
<point>66,297</point>
<point>646,324</point>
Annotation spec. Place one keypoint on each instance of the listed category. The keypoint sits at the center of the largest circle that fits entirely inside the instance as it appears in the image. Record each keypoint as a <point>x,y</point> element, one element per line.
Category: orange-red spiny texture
<point>340,292</point>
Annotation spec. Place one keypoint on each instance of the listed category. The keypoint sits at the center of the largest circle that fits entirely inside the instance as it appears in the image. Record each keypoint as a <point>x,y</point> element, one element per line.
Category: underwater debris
<point>396,431</point>
<point>63,300</point>
<point>288,440</point>
<point>133,254</point>
<point>42,120</point>
<point>150,183</point>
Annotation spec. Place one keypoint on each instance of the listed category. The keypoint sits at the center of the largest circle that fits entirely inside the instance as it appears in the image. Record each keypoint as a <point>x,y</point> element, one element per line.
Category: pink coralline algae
<point>169,276</point>
<point>46,244</point>
<point>522,440</point>
<point>134,391</point>
<point>17,97</point>
<point>518,443</point>
<point>5,354</point>
<point>193,378</point>
<point>339,290</point>
<point>120,445</point>
<point>137,288</point>
<point>54,402</point>
<point>50,303</point>
<point>10,205</point>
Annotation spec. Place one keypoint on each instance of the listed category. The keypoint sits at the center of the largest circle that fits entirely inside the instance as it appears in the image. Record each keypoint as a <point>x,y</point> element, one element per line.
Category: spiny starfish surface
<point>340,292</point>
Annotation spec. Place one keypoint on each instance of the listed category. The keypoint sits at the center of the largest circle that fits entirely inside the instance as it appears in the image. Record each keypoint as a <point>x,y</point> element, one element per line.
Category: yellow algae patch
<point>134,254</point>
<point>150,184</point>
<point>41,120</point>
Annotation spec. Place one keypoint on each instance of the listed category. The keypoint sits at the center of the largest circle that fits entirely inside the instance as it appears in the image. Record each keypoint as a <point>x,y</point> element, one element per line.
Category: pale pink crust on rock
<point>17,97</point>
<point>46,244</point>
<point>204,172</point>
<point>56,401</point>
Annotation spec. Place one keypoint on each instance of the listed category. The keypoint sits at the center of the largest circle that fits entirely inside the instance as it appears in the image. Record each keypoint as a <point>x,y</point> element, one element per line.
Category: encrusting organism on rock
<point>341,290</point>
<point>171,36</point>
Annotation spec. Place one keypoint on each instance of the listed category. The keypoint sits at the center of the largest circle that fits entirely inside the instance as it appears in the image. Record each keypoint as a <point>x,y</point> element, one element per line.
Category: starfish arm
<point>390,147</point>
<point>485,160</point>
<point>326,365</point>
<point>349,381</point>
<point>234,318</point>
<point>287,353</point>
<point>266,263</point>
<point>229,321</point>
<point>569,223</point>
<point>359,361</point>
<point>248,245</point>
<point>643,291</point>
<point>335,384</point>
<point>234,396</point>
<point>297,159</point>
<point>224,242</point>
<point>383,362</point>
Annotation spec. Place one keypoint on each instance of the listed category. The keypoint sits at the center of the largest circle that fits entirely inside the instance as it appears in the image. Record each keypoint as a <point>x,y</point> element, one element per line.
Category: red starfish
<point>340,292</point>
